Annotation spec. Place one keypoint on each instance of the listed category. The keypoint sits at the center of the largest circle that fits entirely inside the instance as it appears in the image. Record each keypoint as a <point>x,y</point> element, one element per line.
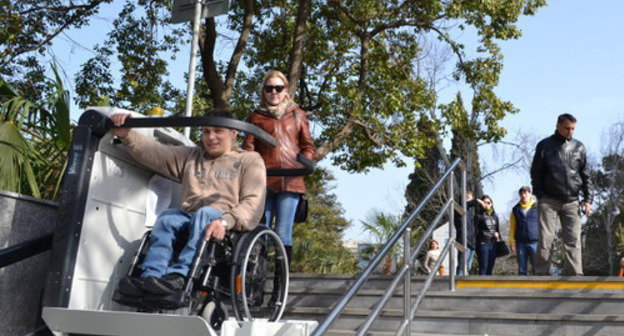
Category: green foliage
<point>358,75</point>
<point>34,139</point>
<point>141,41</point>
<point>428,170</point>
<point>317,242</point>
<point>603,231</point>
<point>382,226</point>
<point>29,28</point>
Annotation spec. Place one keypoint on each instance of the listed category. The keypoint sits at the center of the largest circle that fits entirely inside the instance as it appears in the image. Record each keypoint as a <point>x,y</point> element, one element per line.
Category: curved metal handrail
<point>405,231</point>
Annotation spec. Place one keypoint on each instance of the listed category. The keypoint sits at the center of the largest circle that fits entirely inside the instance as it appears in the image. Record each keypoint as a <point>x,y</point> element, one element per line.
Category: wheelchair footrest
<point>153,302</point>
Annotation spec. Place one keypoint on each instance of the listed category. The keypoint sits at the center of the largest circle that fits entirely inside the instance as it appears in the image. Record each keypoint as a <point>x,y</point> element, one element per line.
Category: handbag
<point>301,213</point>
<point>501,248</point>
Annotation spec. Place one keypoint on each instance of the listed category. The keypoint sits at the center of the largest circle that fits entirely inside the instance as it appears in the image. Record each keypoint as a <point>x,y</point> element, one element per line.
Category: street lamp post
<point>195,10</point>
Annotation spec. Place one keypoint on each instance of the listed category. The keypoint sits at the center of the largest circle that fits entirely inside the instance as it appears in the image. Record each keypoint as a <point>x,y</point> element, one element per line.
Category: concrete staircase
<point>505,306</point>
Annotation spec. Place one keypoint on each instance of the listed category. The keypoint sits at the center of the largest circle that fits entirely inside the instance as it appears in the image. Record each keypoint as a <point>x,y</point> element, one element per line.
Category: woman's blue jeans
<point>486,254</point>
<point>524,253</point>
<point>283,206</point>
<point>158,259</point>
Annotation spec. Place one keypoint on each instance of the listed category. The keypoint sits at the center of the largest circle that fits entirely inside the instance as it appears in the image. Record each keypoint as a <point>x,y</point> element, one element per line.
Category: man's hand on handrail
<point>119,119</point>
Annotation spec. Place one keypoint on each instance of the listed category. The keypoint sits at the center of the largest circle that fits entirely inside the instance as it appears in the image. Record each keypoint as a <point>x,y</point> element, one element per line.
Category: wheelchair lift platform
<point>64,321</point>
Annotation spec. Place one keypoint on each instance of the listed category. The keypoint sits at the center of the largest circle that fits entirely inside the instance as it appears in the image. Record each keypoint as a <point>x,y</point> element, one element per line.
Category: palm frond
<point>14,160</point>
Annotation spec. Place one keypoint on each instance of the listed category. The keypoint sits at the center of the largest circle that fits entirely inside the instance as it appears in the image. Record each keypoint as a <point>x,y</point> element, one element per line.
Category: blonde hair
<point>271,74</point>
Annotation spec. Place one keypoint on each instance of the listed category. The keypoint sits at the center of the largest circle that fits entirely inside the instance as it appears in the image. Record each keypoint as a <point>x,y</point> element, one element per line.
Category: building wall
<point>21,284</point>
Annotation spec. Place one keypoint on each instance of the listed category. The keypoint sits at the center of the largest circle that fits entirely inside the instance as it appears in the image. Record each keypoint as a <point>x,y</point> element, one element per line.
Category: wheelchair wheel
<point>259,256</point>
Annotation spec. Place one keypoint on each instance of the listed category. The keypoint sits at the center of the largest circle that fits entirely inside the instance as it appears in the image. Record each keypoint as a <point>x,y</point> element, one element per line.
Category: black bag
<point>501,248</point>
<point>301,214</point>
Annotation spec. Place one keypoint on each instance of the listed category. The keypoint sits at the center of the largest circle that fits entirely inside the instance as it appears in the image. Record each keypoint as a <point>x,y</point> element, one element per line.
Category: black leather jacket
<point>486,226</point>
<point>470,237</point>
<point>560,169</point>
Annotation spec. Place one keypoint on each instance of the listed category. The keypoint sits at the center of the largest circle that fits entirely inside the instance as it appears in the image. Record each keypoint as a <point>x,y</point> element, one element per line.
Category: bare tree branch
<point>76,16</point>
<point>62,8</point>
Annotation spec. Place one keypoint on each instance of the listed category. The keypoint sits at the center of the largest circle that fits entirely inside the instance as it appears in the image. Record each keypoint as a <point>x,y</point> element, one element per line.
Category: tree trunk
<point>296,53</point>
<point>221,91</point>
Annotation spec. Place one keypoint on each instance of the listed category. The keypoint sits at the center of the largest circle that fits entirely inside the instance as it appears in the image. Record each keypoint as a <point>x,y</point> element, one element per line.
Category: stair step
<point>338,332</point>
<point>470,322</point>
<point>496,306</point>
<point>447,314</point>
<point>533,302</point>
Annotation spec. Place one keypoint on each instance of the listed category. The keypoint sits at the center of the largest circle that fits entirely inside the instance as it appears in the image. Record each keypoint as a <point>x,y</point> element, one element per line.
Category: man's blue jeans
<point>158,259</point>
<point>460,261</point>
<point>524,252</point>
<point>283,205</point>
<point>486,253</point>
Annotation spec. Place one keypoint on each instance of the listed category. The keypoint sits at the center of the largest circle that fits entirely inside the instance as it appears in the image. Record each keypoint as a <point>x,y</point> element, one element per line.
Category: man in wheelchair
<point>223,188</point>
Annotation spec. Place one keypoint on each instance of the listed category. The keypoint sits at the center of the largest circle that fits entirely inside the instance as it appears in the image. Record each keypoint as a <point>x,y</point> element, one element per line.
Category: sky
<point>570,59</point>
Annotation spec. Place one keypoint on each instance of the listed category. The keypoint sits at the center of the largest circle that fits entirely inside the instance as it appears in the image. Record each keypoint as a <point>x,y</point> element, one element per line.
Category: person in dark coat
<point>471,204</point>
<point>560,176</point>
<point>487,233</point>
<point>523,230</point>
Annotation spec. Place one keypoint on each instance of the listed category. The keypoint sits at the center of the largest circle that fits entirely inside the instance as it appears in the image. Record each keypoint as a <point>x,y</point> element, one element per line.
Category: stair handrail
<point>409,309</point>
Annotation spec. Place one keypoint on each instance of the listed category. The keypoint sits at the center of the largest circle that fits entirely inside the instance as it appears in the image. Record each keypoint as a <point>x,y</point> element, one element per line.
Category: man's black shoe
<point>169,284</point>
<point>131,286</point>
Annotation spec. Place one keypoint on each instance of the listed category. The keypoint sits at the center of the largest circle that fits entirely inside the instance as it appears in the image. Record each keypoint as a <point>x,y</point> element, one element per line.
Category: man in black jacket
<point>470,236</point>
<point>559,173</point>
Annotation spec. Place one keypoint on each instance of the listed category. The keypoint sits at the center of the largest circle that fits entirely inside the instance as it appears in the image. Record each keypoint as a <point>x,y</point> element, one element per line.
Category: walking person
<point>523,230</point>
<point>282,118</point>
<point>471,204</point>
<point>487,233</point>
<point>559,174</point>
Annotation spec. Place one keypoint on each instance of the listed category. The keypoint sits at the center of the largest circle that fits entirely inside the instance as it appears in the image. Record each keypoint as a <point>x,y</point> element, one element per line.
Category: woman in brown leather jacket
<point>288,124</point>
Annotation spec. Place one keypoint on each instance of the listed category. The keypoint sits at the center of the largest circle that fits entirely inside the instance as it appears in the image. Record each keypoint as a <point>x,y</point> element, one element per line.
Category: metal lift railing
<point>405,273</point>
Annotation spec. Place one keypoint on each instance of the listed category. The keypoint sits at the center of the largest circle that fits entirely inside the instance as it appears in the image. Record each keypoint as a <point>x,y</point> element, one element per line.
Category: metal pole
<point>188,111</point>
<point>464,223</point>
<point>407,285</point>
<point>451,217</point>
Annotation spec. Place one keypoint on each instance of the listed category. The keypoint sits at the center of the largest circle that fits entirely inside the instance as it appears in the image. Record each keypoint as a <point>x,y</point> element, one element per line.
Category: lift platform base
<point>64,321</point>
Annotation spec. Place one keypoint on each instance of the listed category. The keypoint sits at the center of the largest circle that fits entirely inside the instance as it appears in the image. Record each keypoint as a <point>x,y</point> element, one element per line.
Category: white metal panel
<point>112,228</point>
<point>265,328</point>
<point>114,217</point>
<point>92,322</point>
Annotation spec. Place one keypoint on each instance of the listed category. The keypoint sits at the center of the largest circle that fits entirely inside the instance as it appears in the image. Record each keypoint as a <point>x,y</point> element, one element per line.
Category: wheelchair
<point>101,237</point>
<point>238,269</point>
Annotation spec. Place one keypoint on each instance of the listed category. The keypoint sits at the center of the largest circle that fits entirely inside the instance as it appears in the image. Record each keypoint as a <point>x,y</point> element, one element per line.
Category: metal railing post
<point>464,222</point>
<point>451,218</point>
<point>404,274</point>
<point>407,285</point>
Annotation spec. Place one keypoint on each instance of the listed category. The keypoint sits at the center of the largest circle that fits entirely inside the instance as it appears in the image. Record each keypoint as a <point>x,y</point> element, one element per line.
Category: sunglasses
<point>270,88</point>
